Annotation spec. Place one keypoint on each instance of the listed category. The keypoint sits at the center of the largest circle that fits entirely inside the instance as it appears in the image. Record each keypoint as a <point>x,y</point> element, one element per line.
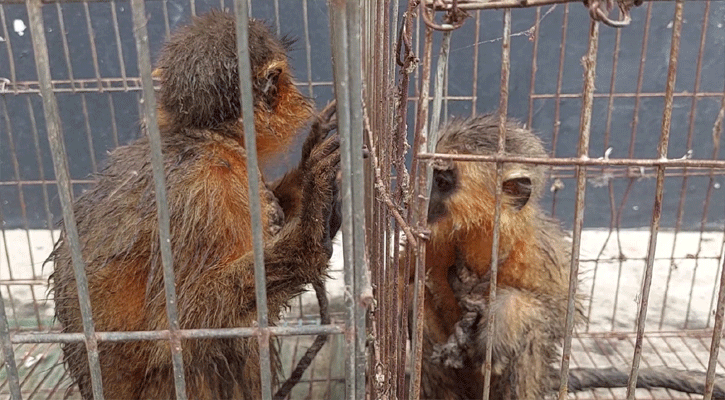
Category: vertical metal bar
<point>53,127</point>
<point>557,96</point>
<point>7,252</point>
<point>630,151</point>
<point>114,125</point>
<point>241,9</point>
<point>435,115</point>
<point>337,9</point>
<point>610,186</point>
<point>498,195</point>
<point>157,162</point>
<point>8,45</point>
<point>657,208</point>
<point>11,370</point>
<point>640,79</point>
<point>119,48</point>
<point>92,43</point>
<point>165,10</point>
<point>41,169</point>
<point>418,216</point>
<point>276,16</point>
<point>474,80</point>
<point>89,135</point>
<point>590,66</point>
<point>308,48</point>
<point>717,130</point>
<point>355,174</point>
<point>717,331</point>
<point>23,208</point>
<point>385,278</point>
<point>66,51</point>
<point>534,66</point>
<point>399,131</point>
<point>384,226</point>
<point>683,187</point>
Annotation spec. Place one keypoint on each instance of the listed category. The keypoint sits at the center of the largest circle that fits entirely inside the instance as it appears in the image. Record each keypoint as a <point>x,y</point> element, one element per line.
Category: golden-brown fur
<point>533,270</point>
<point>207,188</point>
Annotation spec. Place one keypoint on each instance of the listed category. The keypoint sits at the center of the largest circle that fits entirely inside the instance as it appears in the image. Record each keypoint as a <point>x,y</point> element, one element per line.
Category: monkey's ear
<point>519,190</point>
<point>269,86</point>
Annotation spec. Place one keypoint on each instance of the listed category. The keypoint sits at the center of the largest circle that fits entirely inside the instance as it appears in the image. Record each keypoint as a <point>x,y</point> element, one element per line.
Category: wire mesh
<point>123,91</point>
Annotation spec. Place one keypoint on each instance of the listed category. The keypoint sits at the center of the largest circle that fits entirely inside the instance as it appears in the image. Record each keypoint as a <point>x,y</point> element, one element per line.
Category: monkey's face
<point>445,184</point>
<point>463,194</point>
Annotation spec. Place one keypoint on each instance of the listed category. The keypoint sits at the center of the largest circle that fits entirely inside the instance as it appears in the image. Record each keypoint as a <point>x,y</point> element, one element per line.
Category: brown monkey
<point>533,272</point>
<point>206,178</point>
<point>533,279</point>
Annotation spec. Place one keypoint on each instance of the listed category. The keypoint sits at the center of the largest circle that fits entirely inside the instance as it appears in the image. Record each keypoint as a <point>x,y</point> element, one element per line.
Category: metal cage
<point>633,117</point>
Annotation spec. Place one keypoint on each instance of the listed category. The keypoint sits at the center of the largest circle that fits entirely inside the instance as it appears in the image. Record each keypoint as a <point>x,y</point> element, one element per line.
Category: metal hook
<point>455,16</point>
<point>598,13</point>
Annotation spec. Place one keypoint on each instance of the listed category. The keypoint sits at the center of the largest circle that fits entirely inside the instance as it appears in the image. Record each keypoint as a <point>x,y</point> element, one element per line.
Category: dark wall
<point>94,122</point>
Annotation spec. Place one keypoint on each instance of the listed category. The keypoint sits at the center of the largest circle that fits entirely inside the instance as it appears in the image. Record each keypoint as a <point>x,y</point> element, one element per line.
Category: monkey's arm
<point>223,296</point>
<point>288,189</point>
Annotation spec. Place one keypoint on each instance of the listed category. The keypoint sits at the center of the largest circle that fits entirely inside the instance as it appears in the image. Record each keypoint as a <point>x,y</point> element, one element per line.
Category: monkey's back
<point>118,230</point>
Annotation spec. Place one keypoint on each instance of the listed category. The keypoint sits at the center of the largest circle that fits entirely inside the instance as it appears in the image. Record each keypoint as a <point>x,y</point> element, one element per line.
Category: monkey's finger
<point>324,149</point>
<point>318,131</point>
<point>329,126</point>
<point>316,135</point>
<point>329,110</point>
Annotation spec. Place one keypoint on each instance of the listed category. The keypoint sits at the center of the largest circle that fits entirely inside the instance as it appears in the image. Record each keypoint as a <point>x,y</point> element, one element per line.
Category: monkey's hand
<point>275,213</point>
<point>320,189</point>
<point>455,353</point>
<point>324,123</point>
<point>288,189</point>
<point>470,290</point>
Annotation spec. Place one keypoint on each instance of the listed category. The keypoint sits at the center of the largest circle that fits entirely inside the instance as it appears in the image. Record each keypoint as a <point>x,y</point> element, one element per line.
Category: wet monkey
<point>533,273</point>
<point>534,259</point>
<point>206,179</point>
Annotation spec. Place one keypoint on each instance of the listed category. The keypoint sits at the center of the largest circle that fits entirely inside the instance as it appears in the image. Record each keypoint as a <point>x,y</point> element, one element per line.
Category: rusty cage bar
<point>350,117</point>
<point>399,190</point>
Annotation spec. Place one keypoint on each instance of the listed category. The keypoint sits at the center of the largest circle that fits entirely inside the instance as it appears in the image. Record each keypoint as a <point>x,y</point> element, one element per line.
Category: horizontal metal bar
<point>607,95</point>
<point>95,85</point>
<point>558,171</point>
<point>45,182</point>
<point>471,5</point>
<point>225,333</point>
<point>67,1</point>
<point>496,4</point>
<point>583,161</point>
<point>134,84</point>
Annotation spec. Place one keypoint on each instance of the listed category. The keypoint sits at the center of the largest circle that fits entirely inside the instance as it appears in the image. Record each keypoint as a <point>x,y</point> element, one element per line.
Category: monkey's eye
<point>445,180</point>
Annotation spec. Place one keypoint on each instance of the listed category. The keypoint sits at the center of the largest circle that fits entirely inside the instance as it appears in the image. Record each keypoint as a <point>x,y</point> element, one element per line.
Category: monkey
<point>533,273</point>
<point>534,259</point>
<point>205,168</point>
